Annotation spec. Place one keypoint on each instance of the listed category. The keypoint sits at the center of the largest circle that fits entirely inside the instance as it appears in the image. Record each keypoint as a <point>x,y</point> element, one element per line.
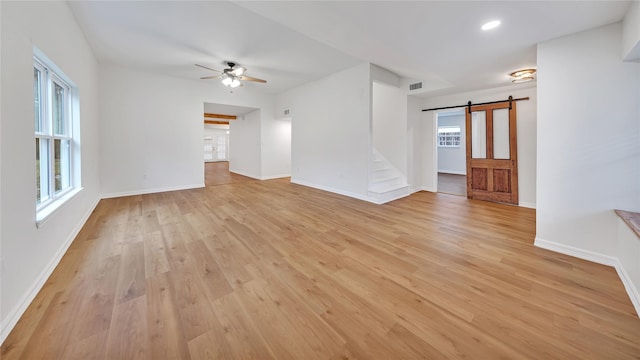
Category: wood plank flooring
<point>217,173</point>
<point>452,184</point>
<point>273,270</point>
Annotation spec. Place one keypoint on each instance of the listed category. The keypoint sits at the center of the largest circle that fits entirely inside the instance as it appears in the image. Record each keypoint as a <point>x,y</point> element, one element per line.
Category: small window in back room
<point>448,136</point>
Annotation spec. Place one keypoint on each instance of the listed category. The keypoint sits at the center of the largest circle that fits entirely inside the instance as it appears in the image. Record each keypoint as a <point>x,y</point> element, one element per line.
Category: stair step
<point>384,188</point>
<point>384,179</point>
<point>384,172</point>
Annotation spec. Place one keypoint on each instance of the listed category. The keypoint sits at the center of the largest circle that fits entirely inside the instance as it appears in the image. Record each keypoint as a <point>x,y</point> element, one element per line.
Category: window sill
<point>43,215</point>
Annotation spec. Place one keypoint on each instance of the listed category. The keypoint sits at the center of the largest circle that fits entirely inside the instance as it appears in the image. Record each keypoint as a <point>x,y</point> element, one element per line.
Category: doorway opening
<point>451,152</point>
<point>218,136</point>
<point>216,140</point>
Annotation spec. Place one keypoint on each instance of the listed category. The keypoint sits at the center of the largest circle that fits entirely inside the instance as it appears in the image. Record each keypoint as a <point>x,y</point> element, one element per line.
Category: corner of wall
<point>14,314</point>
<point>631,33</point>
<point>597,258</point>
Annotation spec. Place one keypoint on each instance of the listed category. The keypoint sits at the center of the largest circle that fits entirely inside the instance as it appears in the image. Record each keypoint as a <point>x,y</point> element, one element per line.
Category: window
<point>52,99</point>
<point>449,136</point>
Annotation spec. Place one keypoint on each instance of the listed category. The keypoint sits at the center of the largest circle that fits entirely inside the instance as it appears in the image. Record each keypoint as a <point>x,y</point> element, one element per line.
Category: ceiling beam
<point>216,122</point>
<point>219,116</point>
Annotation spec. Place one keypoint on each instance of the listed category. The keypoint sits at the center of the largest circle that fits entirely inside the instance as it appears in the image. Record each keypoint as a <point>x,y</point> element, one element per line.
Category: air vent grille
<point>415,86</point>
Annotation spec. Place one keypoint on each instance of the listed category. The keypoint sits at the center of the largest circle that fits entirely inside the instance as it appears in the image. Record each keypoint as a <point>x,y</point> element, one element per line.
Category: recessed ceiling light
<point>490,25</point>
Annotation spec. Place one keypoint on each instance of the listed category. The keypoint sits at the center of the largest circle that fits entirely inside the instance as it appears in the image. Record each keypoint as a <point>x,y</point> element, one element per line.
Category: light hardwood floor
<point>273,270</point>
<point>452,184</point>
<point>217,173</point>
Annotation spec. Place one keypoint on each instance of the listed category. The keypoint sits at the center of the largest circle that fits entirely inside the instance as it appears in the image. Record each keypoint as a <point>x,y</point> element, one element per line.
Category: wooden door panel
<point>494,177</point>
<point>480,179</point>
<point>502,180</point>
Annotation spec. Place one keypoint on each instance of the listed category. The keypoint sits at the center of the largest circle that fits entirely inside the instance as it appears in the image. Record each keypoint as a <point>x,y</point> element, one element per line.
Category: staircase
<point>386,183</point>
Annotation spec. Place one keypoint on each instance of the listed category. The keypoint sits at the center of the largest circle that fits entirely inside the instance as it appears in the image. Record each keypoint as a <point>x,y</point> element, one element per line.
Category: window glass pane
<point>53,132</point>
<point>501,134</point>
<point>478,135</point>
<point>42,170</point>
<point>62,162</point>
<point>37,101</point>
<point>449,136</point>
<point>58,99</point>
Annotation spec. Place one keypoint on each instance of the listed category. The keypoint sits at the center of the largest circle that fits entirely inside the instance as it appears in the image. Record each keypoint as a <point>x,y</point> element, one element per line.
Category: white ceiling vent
<point>415,86</point>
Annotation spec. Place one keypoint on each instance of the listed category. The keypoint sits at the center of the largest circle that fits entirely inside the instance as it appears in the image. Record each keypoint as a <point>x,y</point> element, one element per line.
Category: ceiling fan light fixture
<point>230,76</point>
<point>227,80</point>
<point>521,76</point>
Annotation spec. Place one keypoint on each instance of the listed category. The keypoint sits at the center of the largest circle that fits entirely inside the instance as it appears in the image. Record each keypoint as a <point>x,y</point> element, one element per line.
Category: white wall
<point>152,130</point>
<point>453,160</point>
<point>329,131</point>
<point>2,321</point>
<point>588,139</point>
<point>276,148</point>
<point>244,146</point>
<point>631,33</point>
<point>31,253</point>
<point>389,122</point>
<point>415,156</point>
<point>628,254</point>
<point>526,128</point>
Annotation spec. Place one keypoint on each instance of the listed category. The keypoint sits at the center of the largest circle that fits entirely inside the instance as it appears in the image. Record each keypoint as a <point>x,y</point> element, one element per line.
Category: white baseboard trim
<point>453,172</point>
<point>151,191</point>
<point>429,189</point>
<point>631,289</point>
<point>527,205</point>
<point>333,190</point>
<point>270,177</point>
<point>388,196</point>
<point>245,174</point>
<point>576,252</point>
<point>16,313</point>
<point>588,255</point>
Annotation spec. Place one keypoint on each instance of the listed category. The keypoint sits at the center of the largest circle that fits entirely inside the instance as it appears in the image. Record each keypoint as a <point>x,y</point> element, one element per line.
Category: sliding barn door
<point>492,159</point>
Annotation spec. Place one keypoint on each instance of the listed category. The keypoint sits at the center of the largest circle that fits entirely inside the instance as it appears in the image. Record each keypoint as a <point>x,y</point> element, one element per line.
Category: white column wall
<point>244,150</point>
<point>30,254</point>
<point>276,148</point>
<point>415,154</point>
<point>588,140</point>
<point>330,131</point>
<point>389,120</point>
<point>631,33</point>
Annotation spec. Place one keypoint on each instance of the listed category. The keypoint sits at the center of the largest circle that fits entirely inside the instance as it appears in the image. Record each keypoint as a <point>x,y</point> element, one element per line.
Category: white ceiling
<point>290,43</point>
<point>225,109</point>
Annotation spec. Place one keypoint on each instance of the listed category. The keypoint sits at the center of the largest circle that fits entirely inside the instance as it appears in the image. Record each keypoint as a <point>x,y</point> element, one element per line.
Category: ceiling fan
<point>232,75</point>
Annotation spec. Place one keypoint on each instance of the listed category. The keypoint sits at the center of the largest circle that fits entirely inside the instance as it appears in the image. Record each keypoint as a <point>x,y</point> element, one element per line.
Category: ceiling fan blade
<point>208,68</point>
<point>211,77</point>
<point>249,78</point>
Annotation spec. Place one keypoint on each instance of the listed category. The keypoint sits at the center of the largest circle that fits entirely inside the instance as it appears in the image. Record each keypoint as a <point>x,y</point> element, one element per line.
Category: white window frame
<point>50,75</point>
<point>448,132</point>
